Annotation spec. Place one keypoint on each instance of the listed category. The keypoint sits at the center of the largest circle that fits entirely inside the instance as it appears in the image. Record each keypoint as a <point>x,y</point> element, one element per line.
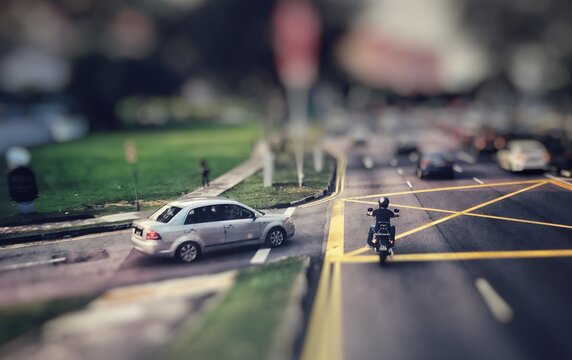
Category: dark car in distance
<point>435,164</point>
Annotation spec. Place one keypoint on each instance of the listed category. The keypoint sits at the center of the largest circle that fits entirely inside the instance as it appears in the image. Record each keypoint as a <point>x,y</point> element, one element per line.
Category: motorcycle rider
<point>381,214</point>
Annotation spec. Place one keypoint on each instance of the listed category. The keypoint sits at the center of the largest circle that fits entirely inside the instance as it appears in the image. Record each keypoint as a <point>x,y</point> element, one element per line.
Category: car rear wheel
<point>188,252</point>
<point>275,237</point>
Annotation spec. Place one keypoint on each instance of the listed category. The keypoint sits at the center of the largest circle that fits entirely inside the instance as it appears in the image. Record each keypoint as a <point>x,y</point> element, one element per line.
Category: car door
<point>206,223</point>
<point>241,227</point>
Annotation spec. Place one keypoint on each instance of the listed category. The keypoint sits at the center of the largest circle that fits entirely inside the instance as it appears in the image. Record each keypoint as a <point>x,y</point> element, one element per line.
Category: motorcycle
<point>384,238</point>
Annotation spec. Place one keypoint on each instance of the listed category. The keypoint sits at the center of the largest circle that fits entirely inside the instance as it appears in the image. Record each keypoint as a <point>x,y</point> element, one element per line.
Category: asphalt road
<point>462,284</point>
<point>91,264</point>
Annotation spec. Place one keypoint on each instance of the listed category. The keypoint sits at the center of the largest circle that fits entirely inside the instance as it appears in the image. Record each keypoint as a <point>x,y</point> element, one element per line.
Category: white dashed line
<point>457,169</point>
<point>290,211</point>
<point>478,180</point>
<point>260,256</point>
<point>469,159</point>
<point>409,184</point>
<point>32,263</point>
<point>400,171</point>
<point>367,162</point>
<point>556,178</point>
<point>498,307</point>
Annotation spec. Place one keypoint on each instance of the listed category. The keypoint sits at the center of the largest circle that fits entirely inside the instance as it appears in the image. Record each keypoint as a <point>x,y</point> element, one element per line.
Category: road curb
<point>64,233</point>
<point>330,187</point>
<point>283,342</point>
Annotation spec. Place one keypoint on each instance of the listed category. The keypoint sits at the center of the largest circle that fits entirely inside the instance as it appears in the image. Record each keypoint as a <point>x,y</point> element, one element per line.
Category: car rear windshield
<point>165,214</point>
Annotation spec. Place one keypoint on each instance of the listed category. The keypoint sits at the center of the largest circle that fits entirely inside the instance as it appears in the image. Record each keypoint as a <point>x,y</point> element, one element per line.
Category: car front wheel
<point>275,237</point>
<point>188,252</point>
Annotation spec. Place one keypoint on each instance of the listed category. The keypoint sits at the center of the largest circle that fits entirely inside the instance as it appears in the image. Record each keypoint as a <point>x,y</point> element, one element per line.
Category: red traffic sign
<point>296,37</point>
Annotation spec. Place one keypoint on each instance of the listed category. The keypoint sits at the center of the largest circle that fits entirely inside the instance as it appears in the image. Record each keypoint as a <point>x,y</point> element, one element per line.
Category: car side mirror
<point>396,210</point>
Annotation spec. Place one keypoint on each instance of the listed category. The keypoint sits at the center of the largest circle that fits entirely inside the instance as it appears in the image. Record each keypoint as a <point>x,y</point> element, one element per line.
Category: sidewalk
<point>47,231</point>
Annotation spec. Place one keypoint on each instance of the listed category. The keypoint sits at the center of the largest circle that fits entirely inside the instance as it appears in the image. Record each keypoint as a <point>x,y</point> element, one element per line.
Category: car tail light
<point>152,235</point>
<point>547,156</point>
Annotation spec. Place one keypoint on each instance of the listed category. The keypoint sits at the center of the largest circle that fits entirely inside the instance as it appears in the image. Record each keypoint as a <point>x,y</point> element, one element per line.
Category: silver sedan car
<point>186,229</point>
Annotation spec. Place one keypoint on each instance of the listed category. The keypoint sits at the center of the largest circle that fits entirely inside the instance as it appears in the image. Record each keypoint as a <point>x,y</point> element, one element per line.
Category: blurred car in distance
<point>360,135</point>
<point>406,144</point>
<point>485,141</point>
<point>186,229</point>
<point>521,155</point>
<point>435,163</point>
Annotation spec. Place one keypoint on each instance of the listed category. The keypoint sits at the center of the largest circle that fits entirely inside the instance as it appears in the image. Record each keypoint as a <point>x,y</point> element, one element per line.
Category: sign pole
<point>296,33</point>
<point>131,157</point>
<point>134,168</point>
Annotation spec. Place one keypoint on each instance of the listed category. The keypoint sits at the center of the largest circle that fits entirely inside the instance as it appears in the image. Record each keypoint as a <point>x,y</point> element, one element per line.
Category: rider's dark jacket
<point>382,214</point>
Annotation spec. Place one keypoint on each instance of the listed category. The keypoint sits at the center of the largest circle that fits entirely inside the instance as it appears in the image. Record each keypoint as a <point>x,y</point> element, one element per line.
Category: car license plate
<point>138,231</point>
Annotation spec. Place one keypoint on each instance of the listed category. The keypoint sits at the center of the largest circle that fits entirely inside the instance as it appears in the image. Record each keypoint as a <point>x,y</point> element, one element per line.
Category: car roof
<point>202,200</point>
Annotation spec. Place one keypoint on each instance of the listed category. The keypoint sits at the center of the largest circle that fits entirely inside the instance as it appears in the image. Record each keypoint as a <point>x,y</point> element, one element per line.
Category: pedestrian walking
<point>205,173</point>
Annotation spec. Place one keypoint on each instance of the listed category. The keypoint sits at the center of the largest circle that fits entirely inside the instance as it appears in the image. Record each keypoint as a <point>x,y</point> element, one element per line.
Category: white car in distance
<point>521,155</point>
<point>187,228</point>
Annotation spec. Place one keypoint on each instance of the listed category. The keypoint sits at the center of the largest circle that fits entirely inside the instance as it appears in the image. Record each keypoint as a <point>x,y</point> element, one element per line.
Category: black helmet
<point>383,202</point>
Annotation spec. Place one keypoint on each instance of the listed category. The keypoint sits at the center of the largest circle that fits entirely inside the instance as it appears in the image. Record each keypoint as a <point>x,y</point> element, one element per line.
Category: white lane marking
<point>59,241</point>
<point>260,256</point>
<point>400,171</point>
<point>469,159</point>
<point>409,184</point>
<point>457,169</point>
<point>290,211</point>
<point>32,263</point>
<point>393,162</point>
<point>498,307</point>
<point>367,162</point>
<point>478,180</point>
<point>556,178</point>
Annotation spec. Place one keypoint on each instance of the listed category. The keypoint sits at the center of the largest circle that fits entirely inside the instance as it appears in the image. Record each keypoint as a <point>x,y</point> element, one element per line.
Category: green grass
<point>242,326</point>
<point>285,187</point>
<point>91,175</point>
<point>18,320</point>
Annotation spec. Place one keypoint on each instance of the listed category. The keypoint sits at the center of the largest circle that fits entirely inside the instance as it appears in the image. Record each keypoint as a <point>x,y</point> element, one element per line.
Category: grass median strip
<point>17,320</point>
<point>91,175</point>
<point>285,188</point>
<point>243,324</point>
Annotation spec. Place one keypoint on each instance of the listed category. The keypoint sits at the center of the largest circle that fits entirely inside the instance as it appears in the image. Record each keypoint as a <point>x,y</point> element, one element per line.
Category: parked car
<point>521,155</point>
<point>435,163</point>
<point>186,229</point>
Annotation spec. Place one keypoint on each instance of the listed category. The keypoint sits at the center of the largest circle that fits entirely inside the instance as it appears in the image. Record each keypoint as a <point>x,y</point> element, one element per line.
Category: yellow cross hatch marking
<point>495,217</point>
<point>454,215</point>
<point>451,188</point>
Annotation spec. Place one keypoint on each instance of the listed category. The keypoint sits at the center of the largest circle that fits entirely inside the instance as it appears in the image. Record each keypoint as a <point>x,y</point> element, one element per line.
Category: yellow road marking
<point>324,337</point>
<point>505,218</point>
<point>462,187</point>
<point>561,183</point>
<point>340,184</point>
<point>336,340</point>
<point>452,256</point>
<point>455,215</point>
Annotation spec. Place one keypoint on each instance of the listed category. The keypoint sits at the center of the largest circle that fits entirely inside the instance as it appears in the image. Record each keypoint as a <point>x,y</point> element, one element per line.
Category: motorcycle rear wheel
<point>383,257</point>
